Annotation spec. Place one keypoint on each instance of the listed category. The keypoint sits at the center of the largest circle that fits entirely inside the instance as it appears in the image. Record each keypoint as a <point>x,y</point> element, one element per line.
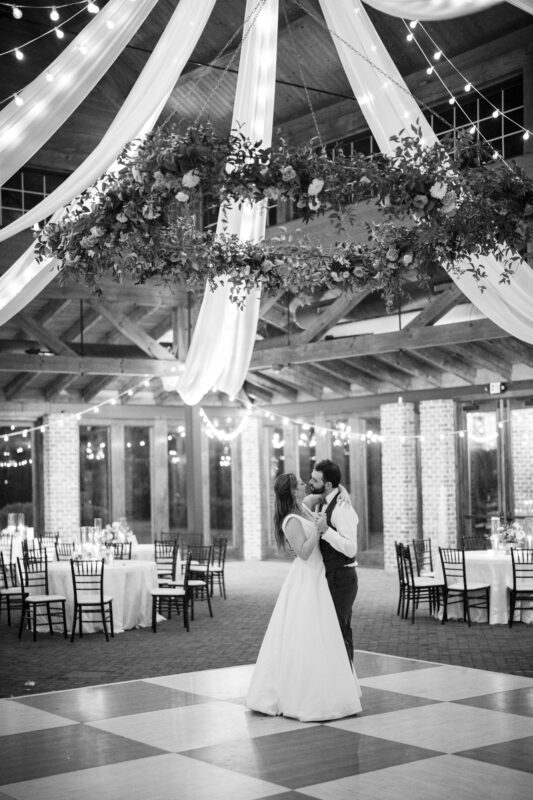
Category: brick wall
<point>400,498</point>
<point>253,489</point>
<point>438,463</point>
<point>522,460</point>
<point>61,470</point>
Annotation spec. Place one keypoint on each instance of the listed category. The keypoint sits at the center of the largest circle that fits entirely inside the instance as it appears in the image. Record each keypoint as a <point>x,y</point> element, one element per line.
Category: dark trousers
<point>342,584</point>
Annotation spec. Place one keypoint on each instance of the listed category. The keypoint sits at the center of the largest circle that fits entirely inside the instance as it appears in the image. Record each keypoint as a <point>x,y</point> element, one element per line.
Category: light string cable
<point>453,100</point>
<point>19,55</point>
<point>322,23</point>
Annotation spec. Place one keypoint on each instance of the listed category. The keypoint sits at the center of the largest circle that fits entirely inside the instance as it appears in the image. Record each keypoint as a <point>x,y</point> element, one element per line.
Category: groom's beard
<point>314,490</point>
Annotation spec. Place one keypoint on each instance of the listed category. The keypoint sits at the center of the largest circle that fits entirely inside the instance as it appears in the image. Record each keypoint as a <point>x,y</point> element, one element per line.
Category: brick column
<point>438,457</point>
<point>61,467</point>
<point>253,489</point>
<point>400,495</point>
<point>522,463</point>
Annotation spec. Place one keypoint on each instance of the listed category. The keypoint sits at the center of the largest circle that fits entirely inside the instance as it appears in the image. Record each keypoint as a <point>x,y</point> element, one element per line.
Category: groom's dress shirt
<point>345,519</point>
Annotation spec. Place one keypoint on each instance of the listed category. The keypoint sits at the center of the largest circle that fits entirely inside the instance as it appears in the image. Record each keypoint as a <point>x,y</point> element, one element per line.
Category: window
<point>177,478</point>
<point>16,475</point>
<point>306,451</point>
<point>24,190</point>
<point>220,480</point>
<point>95,495</point>
<point>137,480</point>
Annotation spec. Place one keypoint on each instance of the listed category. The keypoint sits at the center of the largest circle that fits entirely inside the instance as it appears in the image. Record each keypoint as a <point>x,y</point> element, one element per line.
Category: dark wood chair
<point>165,559</point>
<point>11,594</point>
<point>64,550</point>
<point>6,548</point>
<point>89,598</point>
<point>175,593</point>
<point>218,565</point>
<point>522,589</point>
<point>423,557</point>
<point>401,579</point>
<point>476,543</point>
<point>417,589</point>
<point>456,589</point>
<point>122,550</point>
<point>38,605</point>
<point>200,580</point>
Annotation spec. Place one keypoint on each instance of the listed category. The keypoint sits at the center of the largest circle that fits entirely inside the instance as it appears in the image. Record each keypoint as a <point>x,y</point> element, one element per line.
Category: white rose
<point>438,190</point>
<point>316,186</point>
<point>190,179</point>
<point>182,197</point>
<point>407,259</point>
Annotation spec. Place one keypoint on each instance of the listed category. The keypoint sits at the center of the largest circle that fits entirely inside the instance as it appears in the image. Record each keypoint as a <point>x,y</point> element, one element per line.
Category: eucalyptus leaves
<point>434,205</point>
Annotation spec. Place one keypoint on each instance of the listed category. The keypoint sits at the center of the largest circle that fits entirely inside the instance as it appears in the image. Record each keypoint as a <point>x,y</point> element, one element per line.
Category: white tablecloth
<point>142,552</point>
<point>128,583</point>
<point>496,569</point>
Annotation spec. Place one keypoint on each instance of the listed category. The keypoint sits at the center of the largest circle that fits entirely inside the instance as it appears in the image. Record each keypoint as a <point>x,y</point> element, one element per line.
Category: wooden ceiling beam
<point>145,295</point>
<point>437,307</point>
<point>130,330</point>
<point>448,362</point>
<point>330,378</point>
<point>381,373</point>
<point>300,378</point>
<point>409,364</point>
<point>331,316</point>
<point>481,355</point>
<point>87,366</point>
<point>274,385</point>
<point>374,344</point>
<point>254,390</point>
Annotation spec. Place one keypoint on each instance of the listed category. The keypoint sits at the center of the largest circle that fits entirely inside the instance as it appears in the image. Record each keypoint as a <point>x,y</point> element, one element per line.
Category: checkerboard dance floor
<point>427,731</point>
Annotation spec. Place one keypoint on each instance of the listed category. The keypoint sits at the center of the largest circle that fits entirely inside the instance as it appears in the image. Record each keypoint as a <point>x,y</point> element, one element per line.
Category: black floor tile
<point>26,756</point>
<point>515,754</point>
<point>379,701</point>
<point>368,665</point>
<point>114,700</point>
<point>515,701</point>
<point>284,758</point>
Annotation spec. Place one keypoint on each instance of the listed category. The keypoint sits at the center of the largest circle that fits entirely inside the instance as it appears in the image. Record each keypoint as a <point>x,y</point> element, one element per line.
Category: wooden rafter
<point>382,374</point>
<point>330,316</point>
<point>412,366</point>
<point>481,355</point>
<point>448,362</point>
<point>130,330</point>
<point>437,307</point>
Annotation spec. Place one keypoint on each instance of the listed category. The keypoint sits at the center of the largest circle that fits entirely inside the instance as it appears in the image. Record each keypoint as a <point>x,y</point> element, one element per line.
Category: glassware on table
<point>97,524</point>
<point>21,527</point>
<point>11,523</point>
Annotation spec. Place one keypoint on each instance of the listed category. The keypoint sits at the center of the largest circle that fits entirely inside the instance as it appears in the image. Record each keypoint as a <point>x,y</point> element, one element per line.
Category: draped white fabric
<point>439,9</point>
<point>47,104</point>
<point>223,339</point>
<point>388,109</point>
<point>23,281</point>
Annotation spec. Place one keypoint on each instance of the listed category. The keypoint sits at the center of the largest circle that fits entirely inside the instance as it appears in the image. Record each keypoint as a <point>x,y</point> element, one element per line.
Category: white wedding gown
<point>302,670</point>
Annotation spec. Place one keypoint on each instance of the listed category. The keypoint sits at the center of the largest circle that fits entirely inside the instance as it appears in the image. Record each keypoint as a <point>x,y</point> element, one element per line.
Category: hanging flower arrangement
<point>441,205</point>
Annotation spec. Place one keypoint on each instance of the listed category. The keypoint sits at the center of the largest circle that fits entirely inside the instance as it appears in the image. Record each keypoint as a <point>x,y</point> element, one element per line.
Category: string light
<point>54,16</point>
<point>19,55</point>
<point>17,12</point>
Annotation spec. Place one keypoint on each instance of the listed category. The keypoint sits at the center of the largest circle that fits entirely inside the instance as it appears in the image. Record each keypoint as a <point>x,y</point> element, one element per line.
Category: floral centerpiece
<point>439,205</point>
<point>512,534</point>
<point>119,531</point>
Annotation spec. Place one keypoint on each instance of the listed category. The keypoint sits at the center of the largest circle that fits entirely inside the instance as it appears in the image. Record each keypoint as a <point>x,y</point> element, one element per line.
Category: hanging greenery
<point>438,205</point>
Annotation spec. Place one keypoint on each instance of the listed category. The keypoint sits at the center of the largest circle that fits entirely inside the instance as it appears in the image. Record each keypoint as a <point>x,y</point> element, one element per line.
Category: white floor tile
<point>447,683</point>
<point>441,778</point>
<point>178,729</point>
<point>447,727</point>
<point>20,718</point>
<point>221,684</point>
<point>167,777</point>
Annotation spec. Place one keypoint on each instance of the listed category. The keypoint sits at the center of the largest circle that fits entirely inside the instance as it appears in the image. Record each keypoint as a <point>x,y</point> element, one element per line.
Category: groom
<point>338,545</point>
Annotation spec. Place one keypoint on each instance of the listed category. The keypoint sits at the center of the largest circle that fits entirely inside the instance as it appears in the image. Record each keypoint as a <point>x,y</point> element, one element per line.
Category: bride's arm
<point>295,535</point>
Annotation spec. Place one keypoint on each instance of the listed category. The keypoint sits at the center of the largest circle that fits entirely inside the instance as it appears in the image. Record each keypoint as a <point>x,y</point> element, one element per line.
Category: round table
<point>127,582</point>
<point>496,569</point>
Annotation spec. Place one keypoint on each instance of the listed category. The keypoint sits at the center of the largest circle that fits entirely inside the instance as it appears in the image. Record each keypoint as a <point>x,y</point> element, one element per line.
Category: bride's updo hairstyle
<point>284,487</point>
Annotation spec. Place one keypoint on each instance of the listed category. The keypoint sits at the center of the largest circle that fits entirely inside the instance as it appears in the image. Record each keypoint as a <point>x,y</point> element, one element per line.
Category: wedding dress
<point>302,670</point>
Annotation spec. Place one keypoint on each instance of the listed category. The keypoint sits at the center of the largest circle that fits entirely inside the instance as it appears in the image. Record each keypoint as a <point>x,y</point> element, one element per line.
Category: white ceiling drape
<point>48,104</point>
<point>389,107</point>
<point>27,277</point>
<point>224,336</point>
<point>439,9</point>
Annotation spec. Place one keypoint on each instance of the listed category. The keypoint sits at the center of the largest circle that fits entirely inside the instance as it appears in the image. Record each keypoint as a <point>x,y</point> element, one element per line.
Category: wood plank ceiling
<point>70,346</point>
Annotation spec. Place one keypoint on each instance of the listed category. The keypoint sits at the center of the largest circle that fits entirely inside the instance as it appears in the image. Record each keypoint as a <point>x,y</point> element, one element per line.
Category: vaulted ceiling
<point>70,346</point>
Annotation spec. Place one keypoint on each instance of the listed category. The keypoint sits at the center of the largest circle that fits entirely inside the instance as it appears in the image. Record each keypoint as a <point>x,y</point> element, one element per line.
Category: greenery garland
<point>441,204</point>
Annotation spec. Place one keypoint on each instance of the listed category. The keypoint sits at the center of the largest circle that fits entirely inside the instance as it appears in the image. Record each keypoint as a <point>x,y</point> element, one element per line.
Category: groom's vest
<point>331,557</point>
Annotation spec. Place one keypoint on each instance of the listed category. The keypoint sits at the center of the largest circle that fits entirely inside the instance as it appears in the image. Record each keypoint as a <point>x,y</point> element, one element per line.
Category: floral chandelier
<point>438,205</point>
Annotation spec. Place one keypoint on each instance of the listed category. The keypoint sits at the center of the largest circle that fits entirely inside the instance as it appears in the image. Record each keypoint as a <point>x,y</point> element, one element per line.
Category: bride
<point>302,670</point>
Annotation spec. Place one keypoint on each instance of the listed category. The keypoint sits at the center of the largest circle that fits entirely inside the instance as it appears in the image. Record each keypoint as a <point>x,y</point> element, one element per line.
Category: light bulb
<point>92,8</point>
<point>110,24</point>
<point>19,55</point>
<point>54,16</point>
<point>468,87</point>
<point>451,101</point>
<point>413,23</point>
<point>18,100</point>
<point>17,12</point>
<point>429,70</point>
<point>526,135</point>
<point>49,77</point>
<point>59,33</point>
<point>472,129</point>
<point>437,55</point>
<point>495,113</point>
<point>409,37</point>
